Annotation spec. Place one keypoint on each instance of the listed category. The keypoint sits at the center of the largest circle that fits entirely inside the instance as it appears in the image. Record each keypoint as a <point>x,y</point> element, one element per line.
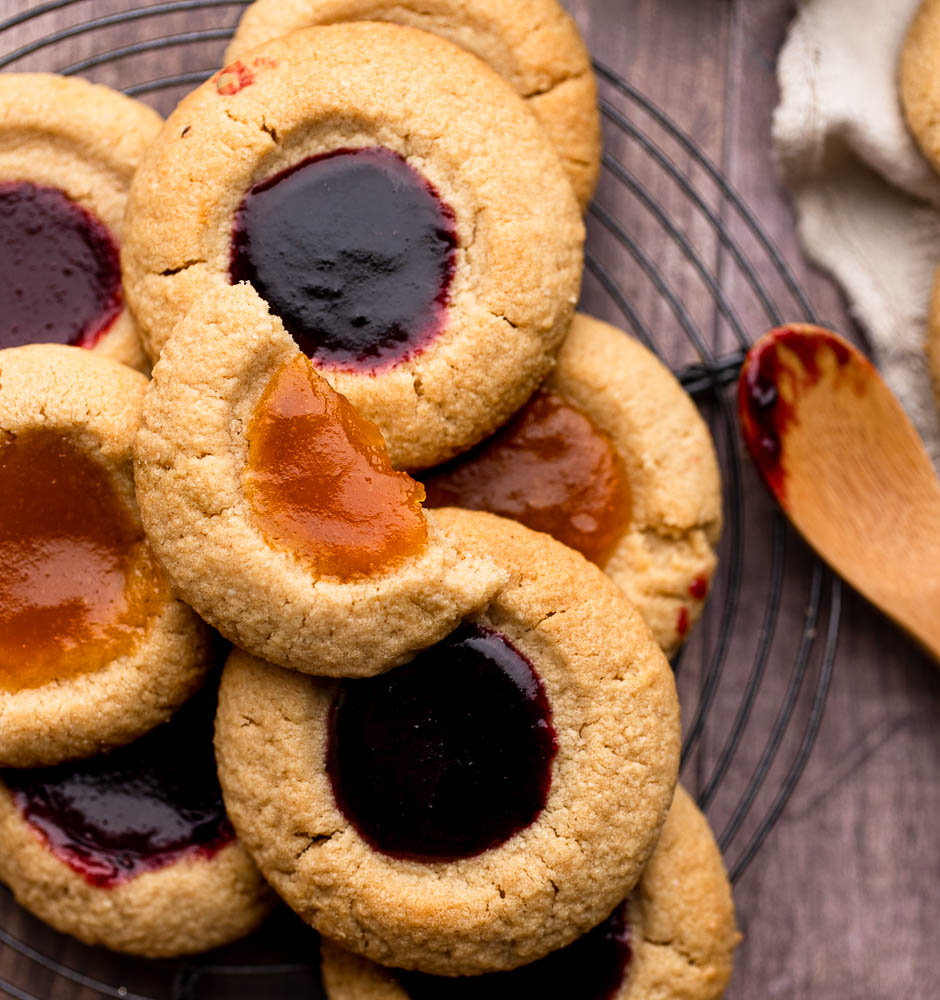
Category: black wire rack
<point>676,257</point>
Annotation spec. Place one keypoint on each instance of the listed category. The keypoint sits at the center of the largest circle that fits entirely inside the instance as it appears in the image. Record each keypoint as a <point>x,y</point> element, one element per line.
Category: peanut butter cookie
<point>612,458</point>
<point>95,649</point>
<point>68,151</point>
<point>480,806</point>
<point>396,205</point>
<point>274,509</point>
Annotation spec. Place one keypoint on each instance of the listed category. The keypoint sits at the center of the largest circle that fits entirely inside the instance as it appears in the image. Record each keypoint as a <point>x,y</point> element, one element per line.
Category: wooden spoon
<point>840,455</point>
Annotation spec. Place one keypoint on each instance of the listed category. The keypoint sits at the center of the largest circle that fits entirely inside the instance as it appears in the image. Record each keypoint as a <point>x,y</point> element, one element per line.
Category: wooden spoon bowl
<point>836,449</point>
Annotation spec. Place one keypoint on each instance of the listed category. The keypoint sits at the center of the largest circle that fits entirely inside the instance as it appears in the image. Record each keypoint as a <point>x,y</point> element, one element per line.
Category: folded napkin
<point>868,203</point>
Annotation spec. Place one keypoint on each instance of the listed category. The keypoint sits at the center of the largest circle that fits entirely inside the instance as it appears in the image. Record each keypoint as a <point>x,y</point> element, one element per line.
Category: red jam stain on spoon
<point>770,385</point>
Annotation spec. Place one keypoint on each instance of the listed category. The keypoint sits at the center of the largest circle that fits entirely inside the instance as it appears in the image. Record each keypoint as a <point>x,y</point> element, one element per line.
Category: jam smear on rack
<point>61,273</point>
<point>135,809</point>
<point>591,968</point>
<point>552,469</point>
<point>320,483</point>
<point>355,251</point>
<point>77,578</point>
<point>447,756</point>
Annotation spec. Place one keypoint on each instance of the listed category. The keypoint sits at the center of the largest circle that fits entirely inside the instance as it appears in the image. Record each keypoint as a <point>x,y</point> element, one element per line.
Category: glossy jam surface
<point>320,482</point>
<point>61,274</point>
<point>591,968</point>
<point>447,756</point>
<point>135,809</point>
<point>764,411</point>
<point>355,251</point>
<point>77,580</point>
<point>550,468</point>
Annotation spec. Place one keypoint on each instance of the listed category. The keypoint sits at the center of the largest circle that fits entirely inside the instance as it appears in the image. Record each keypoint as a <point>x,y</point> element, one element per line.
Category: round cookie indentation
<point>95,648</point>
<point>77,579</point>
<point>75,147</point>
<point>61,272</point>
<point>354,251</point>
<point>319,482</point>
<point>447,756</point>
<point>550,468</point>
<point>138,808</point>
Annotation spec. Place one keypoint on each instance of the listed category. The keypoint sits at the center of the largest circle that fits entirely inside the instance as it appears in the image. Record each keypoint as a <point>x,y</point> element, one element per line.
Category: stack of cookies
<point>420,536</point>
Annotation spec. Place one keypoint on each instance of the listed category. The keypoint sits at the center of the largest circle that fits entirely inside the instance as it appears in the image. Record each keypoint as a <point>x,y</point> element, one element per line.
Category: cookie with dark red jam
<point>448,815</point>
<point>132,849</point>
<point>612,458</point>
<point>429,283</point>
<point>94,647</point>
<point>671,939</point>
<point>534,44</point>
<point>68,151</point>
<point>275,510</point>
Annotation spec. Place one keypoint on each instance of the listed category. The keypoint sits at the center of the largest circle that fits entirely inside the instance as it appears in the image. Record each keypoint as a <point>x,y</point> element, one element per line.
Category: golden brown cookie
<point>480,806</point>
<point>68,151</point>
<point>672,939</point>
<point>95,649</point>
<point>297,169</point>
<point>612,458</point>
<point>132,849</point>
<point>240,442</point>
<point>919,79</point>
<point>534,44</point>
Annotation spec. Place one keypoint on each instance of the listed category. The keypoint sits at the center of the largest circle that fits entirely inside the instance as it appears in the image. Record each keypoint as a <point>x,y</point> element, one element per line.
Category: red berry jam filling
<point>354,250</point>
<point>591,968</point>
<point>447,756</point>
<point>135,809</point>
<point>61,273</point>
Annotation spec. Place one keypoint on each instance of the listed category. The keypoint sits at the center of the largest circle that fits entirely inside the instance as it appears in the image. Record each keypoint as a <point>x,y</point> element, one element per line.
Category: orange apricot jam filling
<point>320,482</point>
<point>77,579</point>
<point>552,469</point>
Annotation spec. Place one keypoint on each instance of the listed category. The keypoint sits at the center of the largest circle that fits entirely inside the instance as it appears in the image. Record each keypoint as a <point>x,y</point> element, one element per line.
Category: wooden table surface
<point>842,901</point>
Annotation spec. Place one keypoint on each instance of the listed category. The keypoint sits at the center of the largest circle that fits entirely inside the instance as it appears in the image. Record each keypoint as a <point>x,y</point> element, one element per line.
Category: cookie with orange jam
<point>672,939</point>
<point>485,803</point>
<point>612,458</point>
<point>68,151</point>
<point>397,206</point>
<point>132,849</point>
<point>534,44</point>
<point>274,508</point>
<point>95,648</point>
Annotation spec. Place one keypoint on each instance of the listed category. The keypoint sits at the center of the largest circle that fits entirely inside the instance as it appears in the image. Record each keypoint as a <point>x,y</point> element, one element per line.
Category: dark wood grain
<point>841,903</point>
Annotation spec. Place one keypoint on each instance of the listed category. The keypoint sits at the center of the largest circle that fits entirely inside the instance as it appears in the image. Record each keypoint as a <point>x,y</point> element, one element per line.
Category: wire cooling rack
<point>678,259</point>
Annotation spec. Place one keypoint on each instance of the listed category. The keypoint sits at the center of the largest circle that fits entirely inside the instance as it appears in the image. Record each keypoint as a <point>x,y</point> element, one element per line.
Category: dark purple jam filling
<point>591,968</point>
<point>61,273</point>
<point>447,756</point>
<point>354,250</point>
<point>135,809</point>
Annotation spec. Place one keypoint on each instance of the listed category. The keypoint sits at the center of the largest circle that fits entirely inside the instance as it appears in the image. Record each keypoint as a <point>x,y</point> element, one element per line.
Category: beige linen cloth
<point>868,203</point>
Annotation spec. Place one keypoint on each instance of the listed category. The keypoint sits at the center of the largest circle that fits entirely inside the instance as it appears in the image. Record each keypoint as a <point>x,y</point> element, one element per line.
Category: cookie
<point>612,458</point>
<point>95,649</point>
<point>272,505</point>
<point>919,79</point>
<point>672,939</point>
<point>394,202</point>
<point>132,849</point>
<point>533,44</point>
<point>68,151</point>
<point>482,805</point>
